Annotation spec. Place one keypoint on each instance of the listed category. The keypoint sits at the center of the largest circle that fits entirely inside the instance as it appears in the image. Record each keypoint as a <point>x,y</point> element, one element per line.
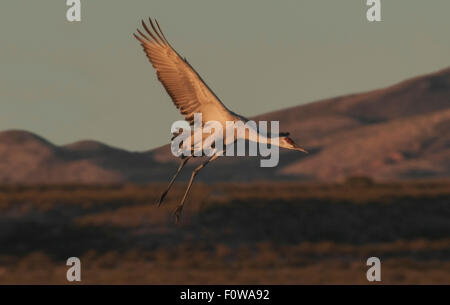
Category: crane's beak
<point>300,149</point>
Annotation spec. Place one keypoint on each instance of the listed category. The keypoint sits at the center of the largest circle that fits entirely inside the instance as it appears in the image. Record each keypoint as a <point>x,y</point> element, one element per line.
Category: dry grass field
<point>255,233</point>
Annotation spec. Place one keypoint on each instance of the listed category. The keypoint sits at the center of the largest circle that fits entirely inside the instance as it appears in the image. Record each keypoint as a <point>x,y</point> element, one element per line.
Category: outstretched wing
<point>188,91</point>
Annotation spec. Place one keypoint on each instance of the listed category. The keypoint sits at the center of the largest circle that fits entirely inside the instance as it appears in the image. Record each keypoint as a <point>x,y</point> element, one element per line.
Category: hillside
<point>400,132</point>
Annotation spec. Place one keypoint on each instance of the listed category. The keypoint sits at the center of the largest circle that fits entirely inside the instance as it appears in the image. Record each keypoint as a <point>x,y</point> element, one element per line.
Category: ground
<point>254,233</point>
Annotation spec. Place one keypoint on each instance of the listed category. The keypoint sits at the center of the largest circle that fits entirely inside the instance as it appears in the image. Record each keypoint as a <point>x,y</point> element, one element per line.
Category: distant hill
<point>400,132</point>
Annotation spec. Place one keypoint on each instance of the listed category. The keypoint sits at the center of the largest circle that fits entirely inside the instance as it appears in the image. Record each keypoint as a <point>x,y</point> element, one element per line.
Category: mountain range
<point>395,133</point>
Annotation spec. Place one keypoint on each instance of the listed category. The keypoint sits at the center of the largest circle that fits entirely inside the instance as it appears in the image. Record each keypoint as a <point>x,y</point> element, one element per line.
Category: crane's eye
<point>289,141</point>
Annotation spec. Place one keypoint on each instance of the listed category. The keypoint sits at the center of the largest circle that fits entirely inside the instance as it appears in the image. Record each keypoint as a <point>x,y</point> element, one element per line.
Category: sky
<point>71,81</point>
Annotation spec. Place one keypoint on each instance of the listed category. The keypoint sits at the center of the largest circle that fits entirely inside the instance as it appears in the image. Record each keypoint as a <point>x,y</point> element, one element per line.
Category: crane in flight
<point>191,95</point>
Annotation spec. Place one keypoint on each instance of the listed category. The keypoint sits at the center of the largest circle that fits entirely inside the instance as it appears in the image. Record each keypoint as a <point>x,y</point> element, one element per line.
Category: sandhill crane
<point>191,95</point>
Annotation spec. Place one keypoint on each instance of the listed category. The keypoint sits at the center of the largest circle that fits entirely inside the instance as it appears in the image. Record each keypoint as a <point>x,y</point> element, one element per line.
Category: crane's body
<point>191,95</point>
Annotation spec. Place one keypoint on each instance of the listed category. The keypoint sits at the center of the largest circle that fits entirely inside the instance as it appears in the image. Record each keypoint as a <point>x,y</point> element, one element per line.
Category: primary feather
<point>188,91</point>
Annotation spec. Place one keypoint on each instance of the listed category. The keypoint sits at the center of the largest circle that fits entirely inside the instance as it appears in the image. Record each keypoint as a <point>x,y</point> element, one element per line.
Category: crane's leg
<point>194,173</point>
<point>182,164</point>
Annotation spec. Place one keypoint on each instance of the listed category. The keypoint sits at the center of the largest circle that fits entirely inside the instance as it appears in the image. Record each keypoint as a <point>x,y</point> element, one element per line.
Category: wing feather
<point>184,85</point>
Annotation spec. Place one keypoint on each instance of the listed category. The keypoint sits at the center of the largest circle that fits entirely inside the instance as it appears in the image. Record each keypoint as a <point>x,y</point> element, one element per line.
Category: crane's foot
<point>161,198</point>
<point>177,213</point>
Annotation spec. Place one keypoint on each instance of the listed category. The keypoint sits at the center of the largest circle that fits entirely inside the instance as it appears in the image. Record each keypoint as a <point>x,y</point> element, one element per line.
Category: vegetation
<point>282,233</point>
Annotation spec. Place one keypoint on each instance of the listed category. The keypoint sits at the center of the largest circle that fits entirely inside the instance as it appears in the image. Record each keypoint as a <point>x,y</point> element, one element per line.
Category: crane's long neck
<point>256,136</point>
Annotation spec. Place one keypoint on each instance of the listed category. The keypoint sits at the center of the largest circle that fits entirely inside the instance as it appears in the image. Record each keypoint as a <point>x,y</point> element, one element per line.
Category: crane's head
<point>286,142</point>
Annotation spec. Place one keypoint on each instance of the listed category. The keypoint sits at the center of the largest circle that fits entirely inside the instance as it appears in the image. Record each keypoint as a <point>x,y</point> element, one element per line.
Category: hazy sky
<point>90,79</point>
